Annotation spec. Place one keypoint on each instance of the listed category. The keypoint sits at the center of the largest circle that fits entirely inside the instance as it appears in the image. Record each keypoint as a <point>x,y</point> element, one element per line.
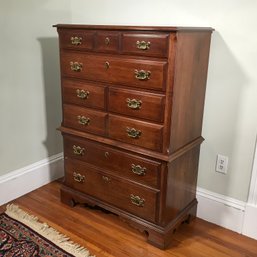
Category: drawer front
<point>123,164</point>
<point>126,196</point>
<point>145,44</point>
<point>136,132</point>
<point>84,119</point>
<point>131,72</point>
<point>107,42</point>
<point>136,104</point>
<point>84,94</point>
<point>76,39</point>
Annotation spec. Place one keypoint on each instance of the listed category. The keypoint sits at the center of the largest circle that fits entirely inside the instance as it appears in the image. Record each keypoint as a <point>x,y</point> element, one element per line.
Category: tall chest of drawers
<point>133,101</point>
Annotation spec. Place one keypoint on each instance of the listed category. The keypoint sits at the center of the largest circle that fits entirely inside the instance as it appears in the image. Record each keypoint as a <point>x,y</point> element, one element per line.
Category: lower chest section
<point>123,180</point>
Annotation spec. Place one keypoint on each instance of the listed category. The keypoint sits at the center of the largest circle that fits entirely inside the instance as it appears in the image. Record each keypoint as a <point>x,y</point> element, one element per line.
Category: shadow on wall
<point>51,78</point>
<point>224,98</point>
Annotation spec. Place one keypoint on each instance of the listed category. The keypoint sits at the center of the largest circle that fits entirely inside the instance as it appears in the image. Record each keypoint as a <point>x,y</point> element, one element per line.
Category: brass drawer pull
<point>75,66</point>
<point>81,93</point>
<point>138,170</point>
<point>135,199</point>
<point>142,45</point>
<point>142,74</point>
<point>134,103</point>
<point>132,132</point>
<point>76,41</point>
<point>78,177</point>
<point>106,179</point>
<point>83,120</point>
<point>78,150</point>
<point>107,41</point>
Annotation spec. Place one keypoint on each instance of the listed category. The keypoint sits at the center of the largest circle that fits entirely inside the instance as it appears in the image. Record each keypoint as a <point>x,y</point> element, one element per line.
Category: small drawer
<point>84,119</point>
<point>124,195</point>
<point>145,44</point>
<point>76,39</point>
<point>107,42</point>
<point>134,72</point>
<point>84,94</point>
<point>144,134</point>
<point>137,104</point>
<point>120,163</point>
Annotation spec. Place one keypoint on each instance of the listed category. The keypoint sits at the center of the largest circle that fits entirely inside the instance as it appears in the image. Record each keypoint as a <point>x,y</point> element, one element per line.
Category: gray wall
<point>30,103</point>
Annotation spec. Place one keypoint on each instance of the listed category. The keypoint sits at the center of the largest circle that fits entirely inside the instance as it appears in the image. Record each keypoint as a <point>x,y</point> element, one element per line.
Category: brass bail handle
<point>78,177</point>
<point>134,104</point>
<point>76,40</point>
<point>136,200</point>
<point>82,94</point>
<point>78,150</point>
<point>106,179</point>
<point>133,133</point>
<point>76,66</point>
<point>83,120</point>
<point>142,74</point>
<point>143,45</point>
<point>138,170</point>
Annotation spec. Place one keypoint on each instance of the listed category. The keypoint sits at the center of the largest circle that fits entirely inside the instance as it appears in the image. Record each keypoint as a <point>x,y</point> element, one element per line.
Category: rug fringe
<point>49,233</point>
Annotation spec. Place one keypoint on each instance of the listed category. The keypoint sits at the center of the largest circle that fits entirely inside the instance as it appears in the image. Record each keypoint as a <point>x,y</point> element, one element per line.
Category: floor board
<point>105,235</point>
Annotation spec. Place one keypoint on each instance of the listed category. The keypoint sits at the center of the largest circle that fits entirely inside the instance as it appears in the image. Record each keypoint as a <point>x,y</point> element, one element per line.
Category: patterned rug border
<point>43,229</point>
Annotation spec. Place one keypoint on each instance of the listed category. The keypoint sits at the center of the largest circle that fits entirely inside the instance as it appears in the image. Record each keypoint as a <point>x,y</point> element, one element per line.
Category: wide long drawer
<point>134,72</point>
<point>127,196</point>
<point>120,163</point>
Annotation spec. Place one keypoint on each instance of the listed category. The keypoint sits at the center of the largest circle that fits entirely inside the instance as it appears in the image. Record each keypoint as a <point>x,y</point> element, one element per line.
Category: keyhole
<point>107,41</point>
<point>107,65</point>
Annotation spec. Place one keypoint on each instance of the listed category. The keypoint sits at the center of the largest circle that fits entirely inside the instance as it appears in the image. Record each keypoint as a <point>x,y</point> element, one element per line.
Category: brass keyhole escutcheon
<point>107,65</point>
<point>107,41</point>
<point>106,154</point>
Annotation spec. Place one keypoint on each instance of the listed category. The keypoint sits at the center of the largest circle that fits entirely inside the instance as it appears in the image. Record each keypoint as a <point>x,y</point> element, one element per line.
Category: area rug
<point>23,235</point>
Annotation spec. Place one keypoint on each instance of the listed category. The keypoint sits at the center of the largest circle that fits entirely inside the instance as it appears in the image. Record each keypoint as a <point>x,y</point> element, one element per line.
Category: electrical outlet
<point>222,164</point>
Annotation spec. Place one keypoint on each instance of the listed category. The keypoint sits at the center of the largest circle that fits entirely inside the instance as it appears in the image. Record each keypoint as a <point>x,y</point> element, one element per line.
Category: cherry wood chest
<point>133,100</point>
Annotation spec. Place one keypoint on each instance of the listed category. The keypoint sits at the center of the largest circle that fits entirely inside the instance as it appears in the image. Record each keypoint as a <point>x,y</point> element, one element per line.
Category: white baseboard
<point>24,180</point>
<point>250,221</point>
<point>221,210</point>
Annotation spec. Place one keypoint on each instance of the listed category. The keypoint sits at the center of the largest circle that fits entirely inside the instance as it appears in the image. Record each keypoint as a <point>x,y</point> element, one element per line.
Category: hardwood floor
<point>106,235</point>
